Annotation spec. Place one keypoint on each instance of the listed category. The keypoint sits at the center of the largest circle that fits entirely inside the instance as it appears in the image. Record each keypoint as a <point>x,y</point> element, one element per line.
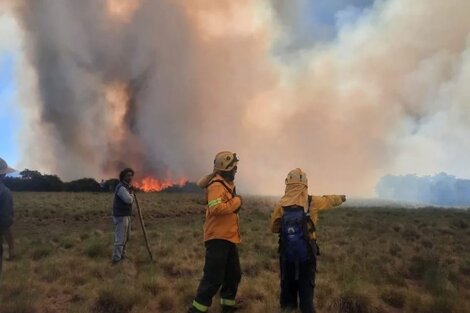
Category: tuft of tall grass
<point>352,301</point>
<point>394,297</point>
<point>166,301</point>
<point>17,297</point>
<point>98,248</point>
<point>40,252</point>
<point>422,264</point>
<point>116,299</point>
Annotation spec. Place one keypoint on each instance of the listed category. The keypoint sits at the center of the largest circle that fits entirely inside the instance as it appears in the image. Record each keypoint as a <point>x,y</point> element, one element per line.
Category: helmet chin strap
<point>307,205</point>
<point>228,176</point>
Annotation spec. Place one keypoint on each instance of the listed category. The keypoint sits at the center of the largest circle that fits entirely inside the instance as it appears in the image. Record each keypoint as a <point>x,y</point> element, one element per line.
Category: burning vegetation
<point>151,184</point>
<point>31,180</point>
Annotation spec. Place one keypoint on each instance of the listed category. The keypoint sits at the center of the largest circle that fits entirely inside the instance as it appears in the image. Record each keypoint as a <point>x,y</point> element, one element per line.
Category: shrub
<point>83,184</point>
<point>41,252</point>
<point>435,280</point>
<point>251,268</point>
<point>116,299</point>
<point>166,302</point>
<point>17,298</point>
<point>421,264</point>
<point>394,249</point>
<point>352,302</point>
<point>323,293</point>
<point>49,271</point>
<point>393,297</point>
<point>465,268</point>
<point>426,243</point>
<point>152,285</point>
<point>441,304</point>
<point>414,303</point>
<point>67,243</point>
<point>458,223</point>
<point>411,234</point>
<point>96,249</point>
<point>18,305</point>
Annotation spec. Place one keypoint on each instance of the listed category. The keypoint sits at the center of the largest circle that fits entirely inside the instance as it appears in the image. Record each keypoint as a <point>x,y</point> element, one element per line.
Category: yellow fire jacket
<point>319,203</point>
<point>222,220</point>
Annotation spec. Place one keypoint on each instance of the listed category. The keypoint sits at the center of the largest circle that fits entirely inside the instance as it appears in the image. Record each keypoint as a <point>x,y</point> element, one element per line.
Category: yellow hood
<point>295,194</point>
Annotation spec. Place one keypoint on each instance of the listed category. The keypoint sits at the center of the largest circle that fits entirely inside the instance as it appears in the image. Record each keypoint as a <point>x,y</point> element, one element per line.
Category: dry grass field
<point>373,260</point>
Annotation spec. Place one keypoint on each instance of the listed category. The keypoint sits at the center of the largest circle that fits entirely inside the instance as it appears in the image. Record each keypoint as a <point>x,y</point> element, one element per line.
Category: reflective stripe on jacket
<point>222,221</point>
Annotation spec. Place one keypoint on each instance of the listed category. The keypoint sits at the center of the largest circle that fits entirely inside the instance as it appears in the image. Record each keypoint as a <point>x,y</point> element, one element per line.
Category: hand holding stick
<point>143,227</point>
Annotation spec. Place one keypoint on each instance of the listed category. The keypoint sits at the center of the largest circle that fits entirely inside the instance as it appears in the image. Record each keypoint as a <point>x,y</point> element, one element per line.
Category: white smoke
<point>385,92</point>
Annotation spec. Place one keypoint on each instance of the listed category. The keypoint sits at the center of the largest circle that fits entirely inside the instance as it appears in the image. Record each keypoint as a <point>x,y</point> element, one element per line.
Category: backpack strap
<point>310,223</point>
<point>309,220</point>
<point>233,193</point>
<point>310,199</point>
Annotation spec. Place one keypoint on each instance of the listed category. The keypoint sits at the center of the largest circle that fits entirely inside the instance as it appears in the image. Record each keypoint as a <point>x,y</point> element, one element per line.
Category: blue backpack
<point>295,238</point>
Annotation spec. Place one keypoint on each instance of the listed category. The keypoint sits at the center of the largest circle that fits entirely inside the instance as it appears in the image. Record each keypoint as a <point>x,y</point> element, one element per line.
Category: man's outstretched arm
<point>327,202</point>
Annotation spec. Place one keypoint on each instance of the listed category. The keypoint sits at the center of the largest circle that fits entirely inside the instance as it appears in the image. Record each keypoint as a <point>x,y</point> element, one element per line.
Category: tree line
<point>440,189</point>
<point>32,180</point>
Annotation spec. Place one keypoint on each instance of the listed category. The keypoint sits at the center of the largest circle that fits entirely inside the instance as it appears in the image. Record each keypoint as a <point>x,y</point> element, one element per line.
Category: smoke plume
<point>440,189</point>
<point>163,85</point>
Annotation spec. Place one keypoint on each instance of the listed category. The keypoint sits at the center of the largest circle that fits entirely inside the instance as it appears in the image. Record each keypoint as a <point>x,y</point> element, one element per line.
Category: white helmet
<point>225,161</point>
<point>297,176</point>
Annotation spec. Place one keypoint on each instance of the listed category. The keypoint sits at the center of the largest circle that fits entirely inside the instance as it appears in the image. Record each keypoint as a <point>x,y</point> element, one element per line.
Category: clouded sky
<point>306,23</point>
<point>349,90</point>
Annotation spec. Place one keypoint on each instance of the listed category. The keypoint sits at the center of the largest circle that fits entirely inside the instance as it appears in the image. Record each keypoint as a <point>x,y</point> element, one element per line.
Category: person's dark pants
<point>1,250</point>
<point>221,271</point>
<point>298,282</point>
<point>2,230</point>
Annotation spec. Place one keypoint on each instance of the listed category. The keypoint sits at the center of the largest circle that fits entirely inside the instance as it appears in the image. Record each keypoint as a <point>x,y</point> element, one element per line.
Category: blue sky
<point>9,115</point>
<point>314,21</point>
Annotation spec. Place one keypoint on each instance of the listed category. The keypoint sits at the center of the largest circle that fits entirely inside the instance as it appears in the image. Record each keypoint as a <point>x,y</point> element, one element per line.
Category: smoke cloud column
<point>440,189</point>
<point>163,85</point>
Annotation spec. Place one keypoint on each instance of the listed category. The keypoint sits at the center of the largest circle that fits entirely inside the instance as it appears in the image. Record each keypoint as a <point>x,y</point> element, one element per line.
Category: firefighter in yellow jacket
<point>221,236</point>
<point>295,218</point>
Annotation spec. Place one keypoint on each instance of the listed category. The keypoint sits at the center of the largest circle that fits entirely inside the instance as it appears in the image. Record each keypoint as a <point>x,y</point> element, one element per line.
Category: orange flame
<point>151,184</point>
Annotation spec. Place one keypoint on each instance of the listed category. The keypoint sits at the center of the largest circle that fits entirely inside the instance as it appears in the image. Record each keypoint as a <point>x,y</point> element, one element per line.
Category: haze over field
<point>348,90</point>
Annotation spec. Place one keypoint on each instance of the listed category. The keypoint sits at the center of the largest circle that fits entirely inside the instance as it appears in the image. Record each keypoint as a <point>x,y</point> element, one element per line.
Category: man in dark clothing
<point>122,210</point>
<point>6,213</point>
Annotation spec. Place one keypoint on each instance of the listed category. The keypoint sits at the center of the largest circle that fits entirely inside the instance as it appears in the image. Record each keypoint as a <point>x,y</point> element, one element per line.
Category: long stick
<point>143,227</point>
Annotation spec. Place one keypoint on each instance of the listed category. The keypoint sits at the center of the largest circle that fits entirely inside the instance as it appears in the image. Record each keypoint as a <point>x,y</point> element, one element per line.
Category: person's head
<point>4,169</point>
<point>126,175</point>
<point>297,176</point>
<point>296,192</point>
<point>226,165</point>
<point>229,175</point>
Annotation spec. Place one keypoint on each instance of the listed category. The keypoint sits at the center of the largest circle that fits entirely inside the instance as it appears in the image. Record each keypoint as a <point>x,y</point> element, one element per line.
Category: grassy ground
<point>373,260</point>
